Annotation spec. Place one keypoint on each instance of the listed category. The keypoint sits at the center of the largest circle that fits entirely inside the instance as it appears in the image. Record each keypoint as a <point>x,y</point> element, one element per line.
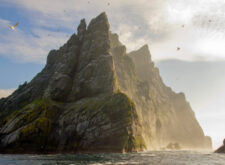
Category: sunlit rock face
<point>94,97</point>
<point>166,117</point>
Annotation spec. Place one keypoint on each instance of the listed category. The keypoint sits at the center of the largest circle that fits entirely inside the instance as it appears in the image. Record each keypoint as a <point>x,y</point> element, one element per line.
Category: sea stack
<point>221,149</point>
<point>93,96</point>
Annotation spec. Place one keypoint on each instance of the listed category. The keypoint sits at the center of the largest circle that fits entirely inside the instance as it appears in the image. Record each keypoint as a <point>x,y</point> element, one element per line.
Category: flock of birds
<point>12,27</point>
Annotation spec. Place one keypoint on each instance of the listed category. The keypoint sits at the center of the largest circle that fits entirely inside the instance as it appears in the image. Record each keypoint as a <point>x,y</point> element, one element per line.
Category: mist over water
<point>203,85</point>
<point>153,158</point>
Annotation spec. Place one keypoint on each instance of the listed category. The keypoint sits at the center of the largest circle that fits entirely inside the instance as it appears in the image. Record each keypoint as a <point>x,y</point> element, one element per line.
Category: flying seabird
<point>14,26</point>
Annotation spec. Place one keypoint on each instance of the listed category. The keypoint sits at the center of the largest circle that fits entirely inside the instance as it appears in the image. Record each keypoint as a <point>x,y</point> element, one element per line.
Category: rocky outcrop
<point>166,117</point>
<point>221,149</point>
<point>173,146</point>
<point>94,97</point>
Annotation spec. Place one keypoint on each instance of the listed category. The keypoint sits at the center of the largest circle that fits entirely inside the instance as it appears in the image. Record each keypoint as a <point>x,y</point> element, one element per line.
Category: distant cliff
<point>94,97</point>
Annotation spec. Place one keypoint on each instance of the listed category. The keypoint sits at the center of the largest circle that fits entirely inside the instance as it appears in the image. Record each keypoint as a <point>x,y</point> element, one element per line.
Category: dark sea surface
<point>151,158</point>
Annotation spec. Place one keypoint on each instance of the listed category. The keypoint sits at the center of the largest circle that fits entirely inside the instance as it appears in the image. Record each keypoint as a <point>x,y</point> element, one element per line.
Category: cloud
<point>32,46</point>
<point>155,22</point>
<point>6,92</point>
<point>4,23</point>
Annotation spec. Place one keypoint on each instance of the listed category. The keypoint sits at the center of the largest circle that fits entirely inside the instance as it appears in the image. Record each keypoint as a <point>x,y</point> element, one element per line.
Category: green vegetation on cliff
<point>36,123</point>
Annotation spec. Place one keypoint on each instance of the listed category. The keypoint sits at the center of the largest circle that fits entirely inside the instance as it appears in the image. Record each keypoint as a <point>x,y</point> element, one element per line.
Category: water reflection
<point>154,158</point>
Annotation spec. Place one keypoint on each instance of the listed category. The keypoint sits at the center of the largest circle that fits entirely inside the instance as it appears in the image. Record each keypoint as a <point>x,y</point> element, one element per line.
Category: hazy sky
<point>196,26</point>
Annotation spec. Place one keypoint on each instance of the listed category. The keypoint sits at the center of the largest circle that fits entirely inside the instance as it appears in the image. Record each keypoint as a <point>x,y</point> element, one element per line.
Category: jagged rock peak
<point>81,29</point>
<point>99,23</point>
<point>114,38</point>
<point>142,54</point>
<point>144,47</point>
<point>118,49</point>
<point>144,50</point>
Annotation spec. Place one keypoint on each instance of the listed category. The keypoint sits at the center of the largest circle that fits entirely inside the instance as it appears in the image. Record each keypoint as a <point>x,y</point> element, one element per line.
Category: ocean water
<point>144,158</point>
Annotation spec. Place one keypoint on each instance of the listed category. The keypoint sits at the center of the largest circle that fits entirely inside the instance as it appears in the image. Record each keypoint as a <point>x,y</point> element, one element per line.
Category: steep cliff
<point>93,96</point>
<point>166,117</point>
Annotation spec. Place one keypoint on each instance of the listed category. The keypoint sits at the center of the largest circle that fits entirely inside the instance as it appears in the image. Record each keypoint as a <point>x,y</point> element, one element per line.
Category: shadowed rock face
<point>93,96</point>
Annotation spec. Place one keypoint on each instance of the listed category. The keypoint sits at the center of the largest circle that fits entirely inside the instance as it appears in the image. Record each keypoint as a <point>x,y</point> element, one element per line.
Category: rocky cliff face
<point>166,117</point>
<point>93,96</point>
